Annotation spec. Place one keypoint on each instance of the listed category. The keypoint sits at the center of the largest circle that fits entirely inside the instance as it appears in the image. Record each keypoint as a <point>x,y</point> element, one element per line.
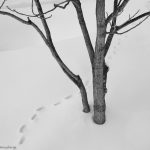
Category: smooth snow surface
<point>40,108</point>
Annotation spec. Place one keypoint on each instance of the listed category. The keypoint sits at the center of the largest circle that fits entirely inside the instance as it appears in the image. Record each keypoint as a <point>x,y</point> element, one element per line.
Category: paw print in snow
<point>68,97</point>
<point>22,140</point>
<point>34,117</point>
<point>57,103</point>
<point>40,109</point>
<point>22,128</point>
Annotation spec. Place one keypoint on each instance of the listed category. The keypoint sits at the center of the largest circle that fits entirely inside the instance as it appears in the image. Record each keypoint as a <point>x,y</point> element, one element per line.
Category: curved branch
<point>117,11</point>
<point>84,29</point>
<point>128,22</point>
<point>38,15</point>
<point>15,17</point>
<point>29,22</point>
<point>2,3</point>
<point>20,13</point>
<point>133,26</point>
<point>27,15</point>
<point>112,29</point>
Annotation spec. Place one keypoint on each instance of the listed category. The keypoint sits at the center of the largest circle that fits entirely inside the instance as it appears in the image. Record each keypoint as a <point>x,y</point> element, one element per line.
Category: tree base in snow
<point>99,114</point>
<point>86,110</point>
<point>99,118</point>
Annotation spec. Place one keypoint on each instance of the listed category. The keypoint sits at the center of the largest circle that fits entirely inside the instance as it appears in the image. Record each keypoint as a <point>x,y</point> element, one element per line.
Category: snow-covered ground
<point>40,108</point>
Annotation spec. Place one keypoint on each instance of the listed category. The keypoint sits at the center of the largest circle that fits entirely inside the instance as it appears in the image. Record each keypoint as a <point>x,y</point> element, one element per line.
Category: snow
<point>64,126</point>
<point>31,78</point>
<point>40,108</point>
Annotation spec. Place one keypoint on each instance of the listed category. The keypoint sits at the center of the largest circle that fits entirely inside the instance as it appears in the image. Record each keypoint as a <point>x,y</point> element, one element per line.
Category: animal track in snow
<point>22,128</point>
<point>34,117</point>
<point>22,140</point>
<point>57,103</point>
<point>40,109</point>
<point>68,97</point>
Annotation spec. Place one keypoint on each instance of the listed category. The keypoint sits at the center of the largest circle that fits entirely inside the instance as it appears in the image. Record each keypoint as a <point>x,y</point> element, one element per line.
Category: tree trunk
<point>86,107</point>
<point>74,78</point>
<point>99,75</point>
<point>99,90</point>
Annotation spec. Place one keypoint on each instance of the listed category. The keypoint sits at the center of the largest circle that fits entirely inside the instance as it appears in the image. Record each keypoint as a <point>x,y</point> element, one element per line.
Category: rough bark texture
<point>86,107</point>
<point>84,29</point>
<point>99,76</point>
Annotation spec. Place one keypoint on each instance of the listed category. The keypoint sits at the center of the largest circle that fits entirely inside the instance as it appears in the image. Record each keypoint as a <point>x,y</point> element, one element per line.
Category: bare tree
<point>104,38</point>
<point>98,54</point>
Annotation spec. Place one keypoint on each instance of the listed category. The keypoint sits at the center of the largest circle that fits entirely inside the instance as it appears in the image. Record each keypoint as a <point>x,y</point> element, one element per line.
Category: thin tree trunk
<point>75,78</point>
<point>77,5</point>
<point>99,77</point>
<point>86,107</point>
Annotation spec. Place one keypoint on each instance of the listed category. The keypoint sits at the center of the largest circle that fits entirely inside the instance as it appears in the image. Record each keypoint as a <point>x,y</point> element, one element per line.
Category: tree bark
<point>86,107</point>
<point>77,5</point>
<point>99,76</point>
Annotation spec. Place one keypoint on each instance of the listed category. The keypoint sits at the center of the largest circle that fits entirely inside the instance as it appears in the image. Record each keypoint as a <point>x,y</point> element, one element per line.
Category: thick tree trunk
<point>99,89</point>
<point>99,83</point>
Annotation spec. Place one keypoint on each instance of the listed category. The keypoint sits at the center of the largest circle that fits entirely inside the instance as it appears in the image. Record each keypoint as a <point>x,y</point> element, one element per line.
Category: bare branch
<point>112,29</point>
<point>84,29</point>
<point>4,1</point>
<point>50,44</point>
<point>38,15</point>
<point>14,16</point>
<point>63,7</point>
<point>115,4</point>
<point>128,22</point>
<point>59,5</point>
<point>38,30</point>
<point>110,21</point>
<point>32,8</point>
<point>133,26</point>
<point>131,17</point>
<point>17,12</point>
<point>118,10</point>
<point>29,22</point>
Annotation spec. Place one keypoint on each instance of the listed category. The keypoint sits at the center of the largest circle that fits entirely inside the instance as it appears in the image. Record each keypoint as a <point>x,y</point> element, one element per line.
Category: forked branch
<point>117,11</point>
<point>129,22</point>
<point>4,1</point>
<point>112,29</point>
<point>61,5</point>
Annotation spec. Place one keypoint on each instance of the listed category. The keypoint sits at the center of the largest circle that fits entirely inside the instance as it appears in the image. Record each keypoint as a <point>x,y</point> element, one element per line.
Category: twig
<point>2,4</point>
<point>44,13</point>
<point>131,17</point>
<point>134,26</point>
<point>117,11</point>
